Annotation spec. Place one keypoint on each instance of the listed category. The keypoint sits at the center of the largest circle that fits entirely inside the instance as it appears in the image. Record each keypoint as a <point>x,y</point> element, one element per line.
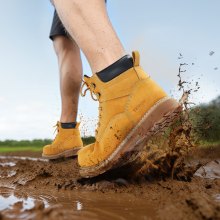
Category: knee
<point>67,51</point>
<point>62,46</point>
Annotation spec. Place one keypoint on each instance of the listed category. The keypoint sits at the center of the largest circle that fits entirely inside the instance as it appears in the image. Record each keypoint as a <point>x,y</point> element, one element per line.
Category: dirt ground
<point>33,188</point>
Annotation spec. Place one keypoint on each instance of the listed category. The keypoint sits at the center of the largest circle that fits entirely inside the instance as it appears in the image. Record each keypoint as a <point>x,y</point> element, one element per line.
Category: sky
<point>159,29</point>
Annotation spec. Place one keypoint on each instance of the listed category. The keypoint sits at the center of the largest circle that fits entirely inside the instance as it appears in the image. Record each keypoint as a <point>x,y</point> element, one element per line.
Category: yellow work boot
<point>66,143</point>
<point>132,107</point>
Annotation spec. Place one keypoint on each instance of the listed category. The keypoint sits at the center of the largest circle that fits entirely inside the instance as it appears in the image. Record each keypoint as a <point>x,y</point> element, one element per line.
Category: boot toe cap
<point>85,156</point>
<point>48,150</point>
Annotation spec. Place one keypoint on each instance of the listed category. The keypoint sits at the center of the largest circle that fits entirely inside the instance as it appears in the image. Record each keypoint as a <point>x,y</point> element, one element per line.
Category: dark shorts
<point>57,28</point>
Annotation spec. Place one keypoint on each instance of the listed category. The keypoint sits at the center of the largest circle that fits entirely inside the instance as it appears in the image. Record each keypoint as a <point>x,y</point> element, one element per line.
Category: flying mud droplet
<point>211,53</point>
<point>180,56</point>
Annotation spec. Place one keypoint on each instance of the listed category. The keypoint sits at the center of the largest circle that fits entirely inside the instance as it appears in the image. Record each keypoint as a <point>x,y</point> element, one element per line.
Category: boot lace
<point>56,130</point>
<point>95,96</point>
<point>91,87</point>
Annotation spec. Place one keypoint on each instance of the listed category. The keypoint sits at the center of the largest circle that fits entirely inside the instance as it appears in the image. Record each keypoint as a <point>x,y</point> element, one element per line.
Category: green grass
<point>7,149</point>
<point>207,144</point>
<point>31,145</point>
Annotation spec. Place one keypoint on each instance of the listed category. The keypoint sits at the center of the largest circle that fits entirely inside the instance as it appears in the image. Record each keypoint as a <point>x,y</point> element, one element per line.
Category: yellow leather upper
<point>122,103</point>
<point>66,139</point>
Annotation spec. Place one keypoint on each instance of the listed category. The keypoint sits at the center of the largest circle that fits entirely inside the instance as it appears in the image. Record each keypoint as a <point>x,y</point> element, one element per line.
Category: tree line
<point>37,142</point>
<point>206,121</point>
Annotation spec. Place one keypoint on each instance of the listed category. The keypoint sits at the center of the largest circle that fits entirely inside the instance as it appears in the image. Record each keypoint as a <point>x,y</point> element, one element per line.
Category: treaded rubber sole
<point>64,154</point>
<point>155,120</point>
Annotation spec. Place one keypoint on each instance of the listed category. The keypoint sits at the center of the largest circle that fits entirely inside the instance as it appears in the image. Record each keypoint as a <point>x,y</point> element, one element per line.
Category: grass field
<point>31,145</point>
<point>6,149</point>
<point>207,144</point>
<point>15,147</point>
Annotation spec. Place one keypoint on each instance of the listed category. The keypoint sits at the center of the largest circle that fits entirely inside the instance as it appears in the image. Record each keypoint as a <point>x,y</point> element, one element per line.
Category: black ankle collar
<point>68,125</point>
<point>115,69</point>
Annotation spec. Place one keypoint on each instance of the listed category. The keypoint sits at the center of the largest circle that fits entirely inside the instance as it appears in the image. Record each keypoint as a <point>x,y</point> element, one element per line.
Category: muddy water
<point>33,188</point>
<point>211,170</point>
<point>79,205</point>
<point>36,204</point>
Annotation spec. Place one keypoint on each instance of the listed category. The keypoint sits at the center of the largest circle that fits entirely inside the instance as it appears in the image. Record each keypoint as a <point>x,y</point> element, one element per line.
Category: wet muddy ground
<point>33,188</point>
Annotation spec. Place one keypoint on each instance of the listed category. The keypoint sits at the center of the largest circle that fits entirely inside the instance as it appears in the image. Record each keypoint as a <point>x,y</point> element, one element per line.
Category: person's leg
<point>88,23</point>
<point>68,140</point>
<point>132,106</point>
<point>70,67</point>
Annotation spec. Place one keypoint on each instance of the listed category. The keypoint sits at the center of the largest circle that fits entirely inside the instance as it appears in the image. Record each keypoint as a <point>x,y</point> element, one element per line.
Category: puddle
<point>9,197</point>
<point>108,206</point>
<point>210,171</point>
<point>7,164</point>
<point>5,170</point>
<point>217,198</point>
<point>7,174</point>
<point>22,158</point>
<point>79,205</point>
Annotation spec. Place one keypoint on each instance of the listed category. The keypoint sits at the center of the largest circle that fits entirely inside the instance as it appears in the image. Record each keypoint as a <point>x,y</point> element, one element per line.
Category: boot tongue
<point>86,79</point>
<point>94,80</point>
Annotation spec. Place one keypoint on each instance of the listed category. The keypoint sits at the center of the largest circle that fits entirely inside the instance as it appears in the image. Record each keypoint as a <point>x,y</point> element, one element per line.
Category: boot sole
<point>64,154</point>
<point>155,120</point>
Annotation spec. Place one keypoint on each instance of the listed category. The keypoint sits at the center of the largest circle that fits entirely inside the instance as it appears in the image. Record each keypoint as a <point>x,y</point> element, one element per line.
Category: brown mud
<point>33,188</point>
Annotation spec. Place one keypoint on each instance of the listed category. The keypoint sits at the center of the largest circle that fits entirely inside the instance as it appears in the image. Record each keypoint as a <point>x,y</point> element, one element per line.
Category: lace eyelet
<point>93,85</point>
<point>98,94</point>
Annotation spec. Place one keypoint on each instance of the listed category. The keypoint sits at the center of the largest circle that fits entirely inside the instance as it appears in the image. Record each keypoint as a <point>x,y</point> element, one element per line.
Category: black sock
<point>68,125</point>
<point>115,69</point>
